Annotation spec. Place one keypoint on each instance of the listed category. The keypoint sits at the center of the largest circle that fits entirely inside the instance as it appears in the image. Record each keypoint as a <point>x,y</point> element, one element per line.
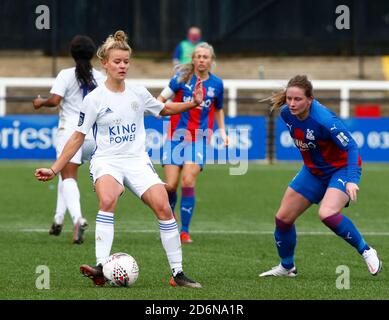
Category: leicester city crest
<point>134,106</point>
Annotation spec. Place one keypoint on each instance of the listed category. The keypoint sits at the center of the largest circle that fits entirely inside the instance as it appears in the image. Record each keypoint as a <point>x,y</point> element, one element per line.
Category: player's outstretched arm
<point>179,107</point>
<point>74,143</point>
<point>53,101</point>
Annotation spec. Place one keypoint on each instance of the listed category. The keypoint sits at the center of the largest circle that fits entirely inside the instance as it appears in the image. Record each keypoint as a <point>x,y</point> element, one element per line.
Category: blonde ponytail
<point>184,72</point>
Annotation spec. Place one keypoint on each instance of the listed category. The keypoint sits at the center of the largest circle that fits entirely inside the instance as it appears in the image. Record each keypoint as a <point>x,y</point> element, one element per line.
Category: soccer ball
<point>121,270</point>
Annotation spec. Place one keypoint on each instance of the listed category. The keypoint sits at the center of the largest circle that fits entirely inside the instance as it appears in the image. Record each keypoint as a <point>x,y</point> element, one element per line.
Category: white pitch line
<point>222,232</point>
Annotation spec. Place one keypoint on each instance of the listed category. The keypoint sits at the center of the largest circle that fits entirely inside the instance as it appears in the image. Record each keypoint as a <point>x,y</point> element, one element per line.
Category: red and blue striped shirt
<point>197,122</point>
<point>325,144</point>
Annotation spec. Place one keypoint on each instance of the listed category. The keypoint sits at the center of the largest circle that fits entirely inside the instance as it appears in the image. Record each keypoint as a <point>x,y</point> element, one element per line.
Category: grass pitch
<point>232,230</point>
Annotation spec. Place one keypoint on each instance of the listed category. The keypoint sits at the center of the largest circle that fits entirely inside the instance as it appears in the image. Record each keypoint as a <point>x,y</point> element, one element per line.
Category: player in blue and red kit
<point>188,133</point>
<point>330,175</point>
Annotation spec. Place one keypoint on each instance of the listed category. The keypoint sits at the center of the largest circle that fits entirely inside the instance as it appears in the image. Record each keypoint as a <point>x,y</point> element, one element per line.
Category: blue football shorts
<point>314,187</point>
<point>177,152</point>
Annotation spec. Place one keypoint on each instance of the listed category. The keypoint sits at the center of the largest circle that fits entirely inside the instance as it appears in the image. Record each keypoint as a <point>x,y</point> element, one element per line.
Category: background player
<point>116,110</point>
<point>184,50</point>
<point>189,132</point>
<point>70,87</point>
<point>330,175</point>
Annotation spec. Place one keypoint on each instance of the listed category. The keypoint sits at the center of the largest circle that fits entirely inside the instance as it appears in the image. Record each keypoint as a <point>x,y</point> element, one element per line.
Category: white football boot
<point>372,260</point>
<point>280,271</point>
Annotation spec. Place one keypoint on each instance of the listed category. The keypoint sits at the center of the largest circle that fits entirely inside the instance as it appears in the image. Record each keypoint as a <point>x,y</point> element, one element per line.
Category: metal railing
<point>232,86</point>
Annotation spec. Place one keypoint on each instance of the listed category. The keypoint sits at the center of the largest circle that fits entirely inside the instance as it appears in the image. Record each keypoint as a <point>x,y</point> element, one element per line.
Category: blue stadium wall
<point>33,137</point>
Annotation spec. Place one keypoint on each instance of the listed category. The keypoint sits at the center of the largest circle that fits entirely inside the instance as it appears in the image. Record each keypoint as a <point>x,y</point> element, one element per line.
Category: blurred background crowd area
<point>267,39</point>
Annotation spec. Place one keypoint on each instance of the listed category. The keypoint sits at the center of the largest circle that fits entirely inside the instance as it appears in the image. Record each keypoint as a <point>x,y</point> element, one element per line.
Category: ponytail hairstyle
<point>278,99</point>
<point>117,41</point>
<point>185,71</point>
<point>82,49</point>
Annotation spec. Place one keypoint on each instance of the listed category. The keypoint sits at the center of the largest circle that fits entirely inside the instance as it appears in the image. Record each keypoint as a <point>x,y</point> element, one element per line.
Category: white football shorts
<point>137,174</point>
<point>83,154</point>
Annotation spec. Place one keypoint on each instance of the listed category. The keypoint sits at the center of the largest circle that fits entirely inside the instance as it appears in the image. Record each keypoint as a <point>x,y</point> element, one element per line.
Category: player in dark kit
<point>330,175</point>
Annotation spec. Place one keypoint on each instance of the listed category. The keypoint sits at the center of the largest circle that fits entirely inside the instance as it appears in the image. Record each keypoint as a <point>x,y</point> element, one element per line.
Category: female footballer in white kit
<point>115,112</point>
<point>70,87</point>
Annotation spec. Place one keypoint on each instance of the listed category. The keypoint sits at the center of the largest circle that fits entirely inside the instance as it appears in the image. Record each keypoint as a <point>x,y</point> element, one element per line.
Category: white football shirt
<point>67,86</point>
<point>117,119</point>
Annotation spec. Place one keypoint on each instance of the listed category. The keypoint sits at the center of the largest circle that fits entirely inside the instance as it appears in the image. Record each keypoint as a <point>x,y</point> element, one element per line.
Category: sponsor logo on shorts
<point>342,182</point>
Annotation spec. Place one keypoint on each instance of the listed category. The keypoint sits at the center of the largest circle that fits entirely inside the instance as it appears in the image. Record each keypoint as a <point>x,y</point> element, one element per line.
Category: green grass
<point>232,229</point>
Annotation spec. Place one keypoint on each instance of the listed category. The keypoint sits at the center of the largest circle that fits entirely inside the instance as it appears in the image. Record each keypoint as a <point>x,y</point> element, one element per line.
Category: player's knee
<point>163,211</point>
<point>325,212</point>
<point>284,219</point>
<point>108,203</point>
<point>188,181</point>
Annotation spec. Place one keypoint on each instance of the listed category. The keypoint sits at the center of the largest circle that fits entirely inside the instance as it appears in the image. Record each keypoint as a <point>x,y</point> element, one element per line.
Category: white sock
<point>71,196</point>
<point>60,210</point>
<point>104,235</point>
<point>171,242</point>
